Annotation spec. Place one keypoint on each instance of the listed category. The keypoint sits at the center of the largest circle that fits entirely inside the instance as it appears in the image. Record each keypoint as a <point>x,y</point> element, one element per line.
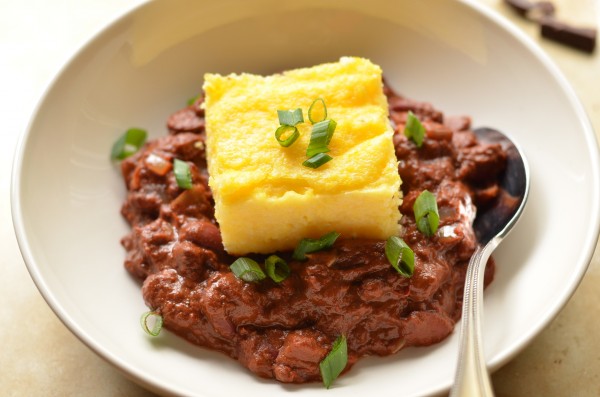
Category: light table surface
<point>39,355</point>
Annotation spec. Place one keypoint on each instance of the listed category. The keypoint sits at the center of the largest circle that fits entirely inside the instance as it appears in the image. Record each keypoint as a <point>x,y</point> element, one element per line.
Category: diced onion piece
<point>276,268</point>
<point>426,213</point>
<point>290,117</point>
<point>400,255</point>
<point>317,160</point>
<point>334,363</point>
<point>286,135</point>
<point>183,175</point>
<point>154,329</point>
<point>200,145</point>
<point>317,111</point>
<point>321,135</point>
<point>129,143</point>
<point>308,245</point>
<point>157,164</point>
<point>414,130</point>
<point>247,269</point>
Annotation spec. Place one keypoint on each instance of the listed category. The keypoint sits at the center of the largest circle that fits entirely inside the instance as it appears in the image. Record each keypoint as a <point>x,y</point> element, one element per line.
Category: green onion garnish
<point>426,213</point>
<point>247,269</point>
<point>191,101</point>
<point>290,117</point>
<point>400,255</point>
<point>276,268</point>
<point>289,134</point>
<point>308,245</point>
<point>317,160</point>
<point>154,330</point>
<point>321,135</point>
<point>317,111</point>
<point>414,130</point>
<point>129,143</point>
<point>334,363</point>
<point>183,175</point>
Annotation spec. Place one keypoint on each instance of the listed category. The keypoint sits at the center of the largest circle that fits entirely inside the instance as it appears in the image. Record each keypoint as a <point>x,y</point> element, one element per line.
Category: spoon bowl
<point>500,219</point>
<point>491,227</point>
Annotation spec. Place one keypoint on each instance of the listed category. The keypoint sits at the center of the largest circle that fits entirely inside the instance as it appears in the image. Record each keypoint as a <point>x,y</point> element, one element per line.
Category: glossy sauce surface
<point>284,330</point>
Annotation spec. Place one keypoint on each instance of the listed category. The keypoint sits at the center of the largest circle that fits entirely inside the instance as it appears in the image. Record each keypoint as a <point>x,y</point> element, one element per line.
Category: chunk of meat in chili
<point>284,330</point>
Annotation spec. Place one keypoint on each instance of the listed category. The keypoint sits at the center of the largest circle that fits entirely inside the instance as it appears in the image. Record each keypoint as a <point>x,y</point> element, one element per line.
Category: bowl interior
<point>67,193</point>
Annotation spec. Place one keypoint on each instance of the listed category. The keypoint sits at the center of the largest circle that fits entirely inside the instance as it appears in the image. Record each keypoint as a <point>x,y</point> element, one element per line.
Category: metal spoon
<point>472,378</point>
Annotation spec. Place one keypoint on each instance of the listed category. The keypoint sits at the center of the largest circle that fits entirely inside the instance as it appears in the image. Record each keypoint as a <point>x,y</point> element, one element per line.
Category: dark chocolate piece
<point>532,10</point>
<point>520,6</point>
<point>583,39</point>
<point>540,10</point>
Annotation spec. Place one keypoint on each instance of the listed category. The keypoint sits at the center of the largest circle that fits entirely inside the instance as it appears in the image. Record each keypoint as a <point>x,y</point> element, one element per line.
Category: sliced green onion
<point>334,363</point>
<point>129,143</point>
<point>308,245</point>
<point>400,255</point>
<point>321,135</point>
<point>317,160</point>
<point>191,101</point>
<point>276,268</point>
<point>426,213</point>
<point>289,134</point>
<point>317,111</point>
<point>183,175</point>
<point>414,130</point>
<point>153,330</point>
<point>290,117</point>
<point>247,269</point>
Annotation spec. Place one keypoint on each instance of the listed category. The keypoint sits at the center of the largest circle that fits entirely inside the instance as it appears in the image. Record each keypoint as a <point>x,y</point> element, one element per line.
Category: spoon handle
<point>472,378</point>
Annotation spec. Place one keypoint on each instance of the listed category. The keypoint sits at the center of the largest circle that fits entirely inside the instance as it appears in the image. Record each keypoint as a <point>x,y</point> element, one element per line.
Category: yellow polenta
<point>265,199</point>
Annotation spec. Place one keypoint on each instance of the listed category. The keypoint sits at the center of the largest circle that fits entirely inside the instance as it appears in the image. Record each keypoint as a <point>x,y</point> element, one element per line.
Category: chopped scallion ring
<point>193,100</point>
<point>290,117</point>
<point>426,213</point>
<point>317,111</point>
<point>183,175</point>
<point>289,134</point>
<point>334,363</point>
<point>129,143</point>
<point>321,135</point>
<point>414,130</point>
<point>308,245</point>
<point>154,329</point>
<point>317,160</point>
<point>247,270</point>
<point>400,255</point>
<point>276,268</point>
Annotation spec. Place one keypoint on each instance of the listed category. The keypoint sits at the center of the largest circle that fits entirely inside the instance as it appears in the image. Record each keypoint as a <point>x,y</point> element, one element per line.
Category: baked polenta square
<point>265,199</point>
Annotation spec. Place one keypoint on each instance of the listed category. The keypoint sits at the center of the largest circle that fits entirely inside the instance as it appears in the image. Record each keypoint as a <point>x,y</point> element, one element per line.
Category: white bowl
<point>465,60</point>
